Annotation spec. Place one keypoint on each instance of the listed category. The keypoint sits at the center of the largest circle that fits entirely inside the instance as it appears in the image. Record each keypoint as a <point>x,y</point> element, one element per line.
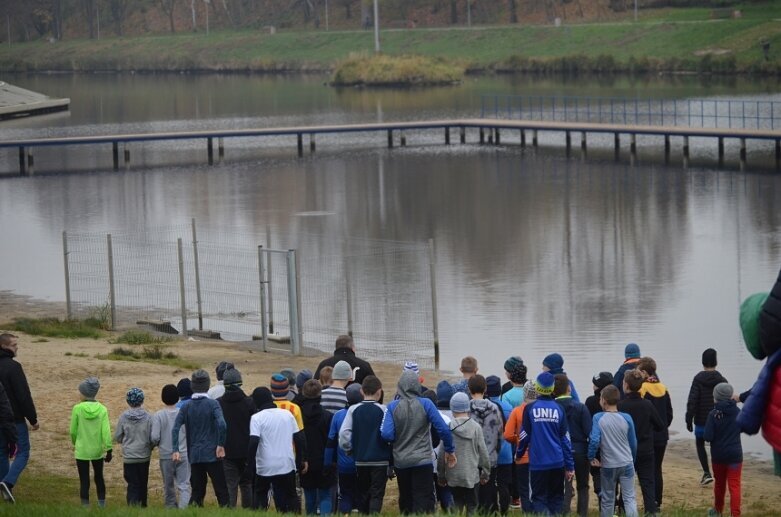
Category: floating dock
<point>17,102</point>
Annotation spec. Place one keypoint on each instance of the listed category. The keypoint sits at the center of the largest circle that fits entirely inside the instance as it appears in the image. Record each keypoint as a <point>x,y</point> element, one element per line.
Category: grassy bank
<point>383,70</point>
<point>675,40</point>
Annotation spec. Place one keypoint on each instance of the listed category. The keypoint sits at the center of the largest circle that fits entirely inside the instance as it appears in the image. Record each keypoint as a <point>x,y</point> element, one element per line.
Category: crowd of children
<point>473,446</point>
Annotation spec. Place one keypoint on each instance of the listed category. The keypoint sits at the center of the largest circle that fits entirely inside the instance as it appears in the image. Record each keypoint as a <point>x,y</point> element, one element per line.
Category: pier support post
<point>778,154</point>
<point>497,137</point>
<point>447,135</point>
<point>210,150</point>
<point>523,138</point>
<point>463,135</point>
<point>583,141</point>
<point>617,142</point>
<point>686,147</point>
<point>22,161</point>
<point>534,138</point>
<point>491,136</point>
<point>482,136</point>
<point>633,144</point>
<point>403,139</point>
<point>300,144</point>
<point>667,145</point>
<point>126,153</point>
<point>568,139</point>
<point>390,139</point>
<point>220,148</point>
<point>30,162</point>
<point>721,149</point>
<point>312,144</point>
<point>115,154</point>
<point>742,149</point>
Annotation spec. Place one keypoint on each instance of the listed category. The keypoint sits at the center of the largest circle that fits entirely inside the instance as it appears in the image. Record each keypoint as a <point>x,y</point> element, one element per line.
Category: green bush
<point>54,327</point>
<point>139,337</point>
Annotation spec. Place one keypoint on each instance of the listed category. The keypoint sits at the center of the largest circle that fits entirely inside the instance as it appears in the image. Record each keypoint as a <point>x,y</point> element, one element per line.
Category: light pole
<point>635,10</point>
<point>376,28</point>
<point>326,14</point>
<point>468,13</point>
<point>207,2</point>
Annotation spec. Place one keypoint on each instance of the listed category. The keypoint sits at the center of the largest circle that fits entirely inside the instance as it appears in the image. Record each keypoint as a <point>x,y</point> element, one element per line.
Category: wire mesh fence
<point>379,291</point>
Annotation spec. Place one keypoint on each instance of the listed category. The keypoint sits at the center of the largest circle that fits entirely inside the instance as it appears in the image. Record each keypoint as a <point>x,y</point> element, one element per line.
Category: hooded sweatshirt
<point>488,416</point>
<point>407,425</point>
<point>700,400</point>
<point>657,393</point>
<point>162,424</point>
<point>134,431</point>
<point>90,430</point>
<point>723,433</point>
<point>472,455</point>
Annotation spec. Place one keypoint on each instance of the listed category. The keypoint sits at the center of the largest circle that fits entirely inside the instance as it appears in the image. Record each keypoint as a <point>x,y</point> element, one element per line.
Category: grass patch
<point>40,340</point>
<point>54,327</point>
<point>77,354</point>
<point>383,70</point>
<point>140,337</point>
<point>155,354</point>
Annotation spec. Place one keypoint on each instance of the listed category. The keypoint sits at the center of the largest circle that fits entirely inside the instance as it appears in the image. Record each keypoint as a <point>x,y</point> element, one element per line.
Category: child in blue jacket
<point>723,433</point>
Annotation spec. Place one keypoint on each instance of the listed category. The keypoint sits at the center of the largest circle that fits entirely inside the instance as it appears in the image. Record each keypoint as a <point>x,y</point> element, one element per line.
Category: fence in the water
<point>301,289</point>
<point>702,113</point>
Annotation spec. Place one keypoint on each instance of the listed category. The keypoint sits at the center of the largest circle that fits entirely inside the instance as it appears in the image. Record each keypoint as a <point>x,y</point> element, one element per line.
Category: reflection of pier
<point>490,131</point>
<point>17,102</point>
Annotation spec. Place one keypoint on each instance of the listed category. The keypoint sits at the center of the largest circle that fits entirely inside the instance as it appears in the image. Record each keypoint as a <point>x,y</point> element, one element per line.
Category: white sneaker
<point>6,493</point>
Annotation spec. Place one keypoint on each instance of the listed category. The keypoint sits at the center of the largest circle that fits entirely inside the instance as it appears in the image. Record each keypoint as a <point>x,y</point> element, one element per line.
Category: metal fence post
<point>111,290</point>
<point>180,253</point>
<point>197,277</point>
<point>68,312</point>
<point>293,302</point>
<point>348,290</point>
<point>434,316</point>
<point>269,290</point>
<point>263,315</point>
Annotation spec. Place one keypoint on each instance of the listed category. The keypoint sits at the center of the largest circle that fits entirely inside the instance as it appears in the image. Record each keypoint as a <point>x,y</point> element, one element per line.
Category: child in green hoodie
<point>91,435</point>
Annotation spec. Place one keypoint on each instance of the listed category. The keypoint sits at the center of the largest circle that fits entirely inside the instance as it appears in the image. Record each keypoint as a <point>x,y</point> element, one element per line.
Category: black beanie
<point>170,395</point>
<point>709,358</point>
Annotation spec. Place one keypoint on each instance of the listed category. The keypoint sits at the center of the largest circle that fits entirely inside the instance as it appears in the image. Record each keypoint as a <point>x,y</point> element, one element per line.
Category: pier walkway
<point>17,102</point>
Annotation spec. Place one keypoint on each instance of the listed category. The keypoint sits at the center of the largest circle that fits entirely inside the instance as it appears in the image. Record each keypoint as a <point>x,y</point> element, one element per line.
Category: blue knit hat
<point>632,351</point>
<point>445,392</point>
<point>544,383</point>
<point>135,397</point>
<point>554,362</point>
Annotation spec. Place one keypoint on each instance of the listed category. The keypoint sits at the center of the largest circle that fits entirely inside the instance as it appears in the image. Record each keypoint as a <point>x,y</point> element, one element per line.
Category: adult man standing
<point>16,387</point>
<point>345,351</point>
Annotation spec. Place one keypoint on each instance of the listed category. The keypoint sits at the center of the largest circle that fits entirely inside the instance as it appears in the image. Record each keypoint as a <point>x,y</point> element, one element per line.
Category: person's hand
<point>689,427</point>
<point>220,452</point>
<point>569,474</point>
<point>36,426</point>
<point>12,450</point>
<point>483,481</point>
<point>596,463</point>
<point>441,481</point>
<point>391,472</point>
<point>305,468</point>
<point>450,459</point>
<point>109,456</point>
<point>736,397</point>
<point>176,457</point>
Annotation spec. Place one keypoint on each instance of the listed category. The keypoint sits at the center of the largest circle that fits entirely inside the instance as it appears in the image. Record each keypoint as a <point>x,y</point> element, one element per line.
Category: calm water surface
<point>536,252</point>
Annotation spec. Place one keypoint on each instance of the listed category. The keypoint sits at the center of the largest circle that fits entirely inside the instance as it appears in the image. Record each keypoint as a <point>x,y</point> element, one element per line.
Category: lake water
<point>535,252</point>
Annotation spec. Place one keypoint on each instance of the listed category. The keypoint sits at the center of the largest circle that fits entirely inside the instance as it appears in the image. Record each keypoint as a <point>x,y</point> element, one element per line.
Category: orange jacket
<point>512,432</point>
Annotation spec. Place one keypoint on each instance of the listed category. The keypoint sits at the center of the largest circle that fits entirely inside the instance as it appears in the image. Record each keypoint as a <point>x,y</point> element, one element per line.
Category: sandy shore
<point>55,367</point>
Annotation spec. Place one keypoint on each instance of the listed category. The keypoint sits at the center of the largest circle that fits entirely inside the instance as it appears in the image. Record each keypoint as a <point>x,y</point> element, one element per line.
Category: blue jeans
<point>10,474</point>
<point>625,476</point>
<point>313,496</point>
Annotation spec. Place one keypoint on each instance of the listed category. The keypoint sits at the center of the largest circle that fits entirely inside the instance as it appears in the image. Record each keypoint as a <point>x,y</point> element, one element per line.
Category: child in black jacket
<point>317,480</point>
<point>723,433</point>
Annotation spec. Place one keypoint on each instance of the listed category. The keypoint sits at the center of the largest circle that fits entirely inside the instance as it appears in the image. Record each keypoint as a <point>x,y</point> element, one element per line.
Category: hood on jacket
<point>725,407</point>
<point>653,387</point>
<point>709,379</point>
<point>482,408</point>
<point>136,414</point>
<point>311,410</point>
<point>90,409</point>
<point>459,427</point>
<point>233,396</point>
<point>409,385</point>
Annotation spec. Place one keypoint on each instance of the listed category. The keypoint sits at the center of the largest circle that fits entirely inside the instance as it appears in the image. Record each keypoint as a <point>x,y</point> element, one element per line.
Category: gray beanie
<point>232,378</point>
<point>342,371</point>
<point>89,387</point>
<point>200,381</point>
<point>459,403</point>
<point>722,391</point>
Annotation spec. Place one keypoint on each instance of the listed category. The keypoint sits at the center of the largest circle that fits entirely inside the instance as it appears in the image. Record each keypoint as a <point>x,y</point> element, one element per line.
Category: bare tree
<point>88,9</point>
<point>119,10</point>
<point>453,12</point>
<point>513,11</point>
<point>168,7</point>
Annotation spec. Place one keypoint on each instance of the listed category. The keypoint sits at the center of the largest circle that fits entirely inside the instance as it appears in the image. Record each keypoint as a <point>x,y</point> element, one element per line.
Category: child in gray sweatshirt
<point>473,466</point>
<point>176,474</point>
<point>133,432</point>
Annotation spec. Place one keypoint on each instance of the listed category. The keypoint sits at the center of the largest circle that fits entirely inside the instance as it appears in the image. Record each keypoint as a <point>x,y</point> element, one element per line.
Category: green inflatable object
<point>749,323</point>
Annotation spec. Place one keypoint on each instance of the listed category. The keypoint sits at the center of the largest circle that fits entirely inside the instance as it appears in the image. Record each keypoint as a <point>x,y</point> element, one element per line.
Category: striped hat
<point>279,386</point>
<point>411,366</point>
<point>544,383</point>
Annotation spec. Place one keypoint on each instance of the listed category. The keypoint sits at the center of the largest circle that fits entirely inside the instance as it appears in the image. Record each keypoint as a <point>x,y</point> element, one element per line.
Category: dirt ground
<point>54,376</point>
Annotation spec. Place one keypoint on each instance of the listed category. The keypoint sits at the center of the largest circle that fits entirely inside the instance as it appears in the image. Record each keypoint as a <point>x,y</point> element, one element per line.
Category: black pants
<point>416,489</point>
<point>486,495</point>
<point>465,499</point>
<point>702,454</point>
<point>547,491</point>
<point>581,485</point>
<point>137,479</point>
<point>522,472</point>
<point>659,450</point>
<point>100,485</point>
<point>348,484</point>
<point>216,472</point>
<point>238,480</point>
<point>285,496</point>
<point>371,488</point>
<point>646,475</point>
<point>514,492</point>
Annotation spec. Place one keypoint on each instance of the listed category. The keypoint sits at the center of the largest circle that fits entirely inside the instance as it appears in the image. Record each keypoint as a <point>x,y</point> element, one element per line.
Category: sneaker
<point>6,493</point>
<point>713,513</point>
<point>515,504</point>
<point>707,479</point>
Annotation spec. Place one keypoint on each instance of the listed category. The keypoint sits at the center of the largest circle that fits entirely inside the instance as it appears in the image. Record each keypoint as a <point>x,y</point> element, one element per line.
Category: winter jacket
<point>647,421</point>
<point>206,429</point>
<point>545,430</point>
<point>361,368</point>
<point>513,396</point>
<point>700,400</point>
<point>7,420</point>
<point>237,410</point>
<point>16,388</point>
<point>579,423</point>
<point>345,463</point>
<point>317,423</point>
<point>512,433</point>
<point>407,425</point>
<point>770,321</point>
<point>656,392</point>
<point>90,430</point>
<point>162,425</point>
<point>489,417</point>
<point>574,392</point>
<point>618,378</point>
<point>723,432</point>
<point>473,463</point>
<point>462,386</point>
<point>134,431</point>
<point>592,403</point>
<point>763,407</point>
<point>360,435</point>
<point>506,452</point>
